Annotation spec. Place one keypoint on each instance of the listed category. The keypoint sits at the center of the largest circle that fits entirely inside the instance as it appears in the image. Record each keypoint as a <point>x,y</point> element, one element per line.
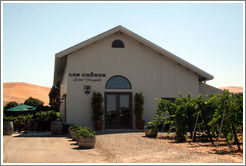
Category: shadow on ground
<point>117,131</point>
<point>37,134</point>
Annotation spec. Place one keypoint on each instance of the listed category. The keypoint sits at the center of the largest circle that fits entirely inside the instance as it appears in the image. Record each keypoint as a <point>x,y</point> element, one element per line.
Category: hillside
<point>233,89</point>
<point>20,91</point>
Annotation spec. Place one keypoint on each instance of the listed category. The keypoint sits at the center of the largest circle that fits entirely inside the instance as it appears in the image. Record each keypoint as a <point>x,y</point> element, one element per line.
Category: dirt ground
<point>136,148</point>
<point>131,147</point>
<point>222,149</point>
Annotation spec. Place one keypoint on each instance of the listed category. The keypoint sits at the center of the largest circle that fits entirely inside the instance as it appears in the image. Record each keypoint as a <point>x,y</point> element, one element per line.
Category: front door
<point>118,110</point>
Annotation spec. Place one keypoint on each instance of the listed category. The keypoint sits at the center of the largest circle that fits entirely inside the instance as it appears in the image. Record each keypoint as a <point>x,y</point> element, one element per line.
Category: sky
<point>207,35</point>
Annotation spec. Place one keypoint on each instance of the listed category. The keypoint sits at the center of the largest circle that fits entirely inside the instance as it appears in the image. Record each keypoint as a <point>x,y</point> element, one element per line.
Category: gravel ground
<point>136,148</point>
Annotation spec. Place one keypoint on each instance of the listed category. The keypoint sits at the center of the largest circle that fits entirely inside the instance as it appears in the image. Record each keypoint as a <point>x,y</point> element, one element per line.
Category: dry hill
<point>20,91</point>
<point>233,89</point>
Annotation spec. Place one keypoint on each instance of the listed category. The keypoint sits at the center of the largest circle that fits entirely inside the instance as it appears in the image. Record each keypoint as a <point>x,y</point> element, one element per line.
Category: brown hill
<point>20,91</point>
<point>233,89</point>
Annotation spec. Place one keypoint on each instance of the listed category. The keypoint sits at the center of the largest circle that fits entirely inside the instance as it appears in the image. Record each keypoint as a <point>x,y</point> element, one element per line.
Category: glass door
<point>118,110</point>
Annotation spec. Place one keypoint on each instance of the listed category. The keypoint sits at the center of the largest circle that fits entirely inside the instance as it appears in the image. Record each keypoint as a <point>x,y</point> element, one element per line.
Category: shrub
<point>96,105</point>
<point>151,125</point>
<point>138,106</point>
<point>85,133</point>
<point>180,125</point>
<point>10,105</point>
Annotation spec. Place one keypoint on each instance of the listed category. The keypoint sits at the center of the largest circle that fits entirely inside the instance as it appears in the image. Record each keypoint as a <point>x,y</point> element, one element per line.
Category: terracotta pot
<point>151,133</point>
<point>98,125</point>
<point>140,124</point>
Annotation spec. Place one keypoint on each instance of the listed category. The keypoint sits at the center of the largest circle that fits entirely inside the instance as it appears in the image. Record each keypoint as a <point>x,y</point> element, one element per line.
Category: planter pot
<point>70,133</point>
<point>140,124</point>
<point>8,127</point>
<point>29,126</point>
<point>86,143</point>
<point>56,127</point>
<point>73,135</point>
<point>151,133</point>
<point>98,125</point>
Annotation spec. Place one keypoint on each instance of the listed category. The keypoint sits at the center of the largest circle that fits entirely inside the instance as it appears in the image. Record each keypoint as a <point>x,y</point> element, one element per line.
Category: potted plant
<point>151,130</point>
<point>72,131</point>
<point>138,110</point>
<point>96,105</point>
<point>8,125</point>
<point>86,138</point>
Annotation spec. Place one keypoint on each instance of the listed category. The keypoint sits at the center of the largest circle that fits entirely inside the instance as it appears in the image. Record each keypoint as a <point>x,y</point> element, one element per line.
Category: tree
<point>54,96</point>
<point>10,105</point>
<point>33,102</point>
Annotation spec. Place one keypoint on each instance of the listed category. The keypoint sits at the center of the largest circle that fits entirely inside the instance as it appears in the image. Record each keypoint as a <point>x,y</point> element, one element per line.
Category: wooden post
<point>195,127</point>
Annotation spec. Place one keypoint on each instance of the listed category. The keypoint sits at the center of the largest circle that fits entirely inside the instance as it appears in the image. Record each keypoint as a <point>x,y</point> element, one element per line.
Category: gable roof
<point>61,57</point>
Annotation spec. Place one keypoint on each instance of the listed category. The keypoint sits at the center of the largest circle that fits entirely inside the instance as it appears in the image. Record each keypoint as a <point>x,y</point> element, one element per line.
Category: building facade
<point>118,64</point>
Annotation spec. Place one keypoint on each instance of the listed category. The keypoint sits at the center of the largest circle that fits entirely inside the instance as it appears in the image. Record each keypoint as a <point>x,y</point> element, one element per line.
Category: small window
<point>118,82</point>
<point>118,44</point>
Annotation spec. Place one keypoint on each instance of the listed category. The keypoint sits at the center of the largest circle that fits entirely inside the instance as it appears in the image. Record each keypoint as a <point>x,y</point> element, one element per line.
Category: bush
<point>33,102</point>
<point>151,125</point>
<point>96,105</point>
<point>180,126</point>
<point>10,105</point>
<point>138,106</point>
<point>82,131</point>
<point>42,119</point>
<point>85,133</point>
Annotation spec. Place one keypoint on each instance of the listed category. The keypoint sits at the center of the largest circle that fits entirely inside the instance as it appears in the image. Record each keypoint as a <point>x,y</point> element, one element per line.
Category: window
<point>118,44</point>
<point>118,82</point>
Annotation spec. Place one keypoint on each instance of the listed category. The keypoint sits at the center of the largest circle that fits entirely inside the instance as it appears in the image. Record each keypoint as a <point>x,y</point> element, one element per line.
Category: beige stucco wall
<point>149,72</point>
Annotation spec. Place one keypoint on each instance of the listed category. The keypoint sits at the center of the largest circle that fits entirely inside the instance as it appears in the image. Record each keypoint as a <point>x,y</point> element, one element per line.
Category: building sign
<point>93,77</point>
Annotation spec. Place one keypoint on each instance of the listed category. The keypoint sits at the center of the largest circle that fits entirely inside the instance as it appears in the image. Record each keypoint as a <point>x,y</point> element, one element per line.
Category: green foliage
<point>33,102</point>
<point>187,112</point>
<point>9,118</point>
<point>151,125</point>
<point>54,96</point>
<point>231,105</point>
<point>85,132</point>
<point>10,105</point>
<point>184,111</point>
<point>180,125</point>
<point>138,106</point>
<point>96,105</point>
<point>165,113</point>
<point>74,127</point>
<point>43,119</point>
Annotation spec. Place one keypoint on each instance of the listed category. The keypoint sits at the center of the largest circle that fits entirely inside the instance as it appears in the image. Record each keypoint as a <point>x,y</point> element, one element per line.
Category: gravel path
<point>136,148</point>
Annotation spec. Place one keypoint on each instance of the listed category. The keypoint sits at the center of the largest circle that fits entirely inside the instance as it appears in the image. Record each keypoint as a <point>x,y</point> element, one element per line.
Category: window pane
<point>111,117</point>
<point>124,110</point>
<point>118,82</point>
<point>118,44</point>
